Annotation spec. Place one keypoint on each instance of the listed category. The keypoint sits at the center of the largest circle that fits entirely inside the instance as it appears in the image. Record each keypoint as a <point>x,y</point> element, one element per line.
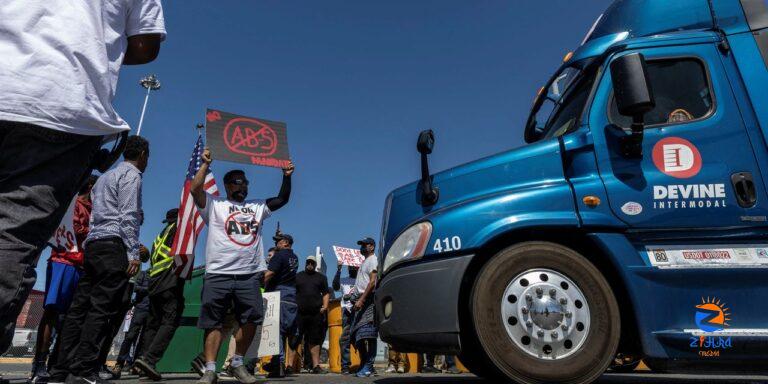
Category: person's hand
<point>323,310</point>
<point>143,253</point>
<point>288,169</point>
<point>338,264</point>
<point>359,304</point>
<point>133,267</point>
<point>207,159</point>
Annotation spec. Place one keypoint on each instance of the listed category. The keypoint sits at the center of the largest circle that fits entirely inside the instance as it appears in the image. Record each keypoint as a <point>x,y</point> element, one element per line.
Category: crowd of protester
<point>52,131</point>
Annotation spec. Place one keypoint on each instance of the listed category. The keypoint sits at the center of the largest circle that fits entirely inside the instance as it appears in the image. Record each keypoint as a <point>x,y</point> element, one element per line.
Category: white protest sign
<point>270,329</point>
<point>348,256</point>
<point>64,236</point>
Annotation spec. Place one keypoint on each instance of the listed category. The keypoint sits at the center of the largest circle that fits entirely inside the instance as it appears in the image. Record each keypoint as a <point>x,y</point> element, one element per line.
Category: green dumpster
<point>188,340</point>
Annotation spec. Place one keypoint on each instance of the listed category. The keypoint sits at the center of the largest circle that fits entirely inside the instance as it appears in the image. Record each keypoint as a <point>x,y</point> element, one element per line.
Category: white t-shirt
<point>369,265</point>
<point>234,245</point>
<point>60,60</point>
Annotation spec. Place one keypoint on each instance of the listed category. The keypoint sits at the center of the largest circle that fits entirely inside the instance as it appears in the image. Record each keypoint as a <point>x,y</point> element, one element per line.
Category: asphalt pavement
<point>17,374</point>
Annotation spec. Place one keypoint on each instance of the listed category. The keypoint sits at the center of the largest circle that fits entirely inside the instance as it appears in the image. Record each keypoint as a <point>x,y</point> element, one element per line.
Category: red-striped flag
<point>190,223</point>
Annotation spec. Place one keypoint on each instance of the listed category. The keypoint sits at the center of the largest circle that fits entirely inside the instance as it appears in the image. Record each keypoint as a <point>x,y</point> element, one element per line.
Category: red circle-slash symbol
<point>250,137</point>
<point>243,231</point>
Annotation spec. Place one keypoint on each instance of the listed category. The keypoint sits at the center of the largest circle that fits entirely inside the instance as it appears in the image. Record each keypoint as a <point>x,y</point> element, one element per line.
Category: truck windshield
<point>561,107</point>
<point>644,18</point>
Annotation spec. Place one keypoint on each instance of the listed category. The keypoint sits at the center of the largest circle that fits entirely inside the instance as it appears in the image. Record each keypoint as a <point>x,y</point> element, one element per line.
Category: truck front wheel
<point>543,313</point>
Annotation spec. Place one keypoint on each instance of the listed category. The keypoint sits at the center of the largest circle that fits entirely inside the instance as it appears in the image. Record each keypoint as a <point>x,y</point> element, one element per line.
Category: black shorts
<point>241,293</point>
<point>312,327</point>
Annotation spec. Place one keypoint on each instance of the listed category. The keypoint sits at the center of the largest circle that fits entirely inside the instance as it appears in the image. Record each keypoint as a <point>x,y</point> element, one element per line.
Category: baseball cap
<point>282,236</point>
<point>171,216</point>
<point>367,240</point>
<point>312,258</point>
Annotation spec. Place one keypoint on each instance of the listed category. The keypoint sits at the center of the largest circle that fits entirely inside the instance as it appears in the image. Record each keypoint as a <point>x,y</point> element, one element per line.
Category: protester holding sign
<point>234,257</point>
<point>281,277</point>
<point>64,270</point>
<point>59,71</point>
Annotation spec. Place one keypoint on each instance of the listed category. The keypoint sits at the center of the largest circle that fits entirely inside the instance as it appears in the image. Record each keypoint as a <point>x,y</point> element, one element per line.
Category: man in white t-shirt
<point>364,332</point>
<point>234,258</point>
<point>59,67</point>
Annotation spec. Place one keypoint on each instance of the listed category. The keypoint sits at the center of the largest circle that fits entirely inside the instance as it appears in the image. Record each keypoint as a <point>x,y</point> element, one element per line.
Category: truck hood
<point>537,165</point>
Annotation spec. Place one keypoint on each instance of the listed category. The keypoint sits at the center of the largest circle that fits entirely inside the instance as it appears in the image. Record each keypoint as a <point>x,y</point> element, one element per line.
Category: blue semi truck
<point>633,225</point>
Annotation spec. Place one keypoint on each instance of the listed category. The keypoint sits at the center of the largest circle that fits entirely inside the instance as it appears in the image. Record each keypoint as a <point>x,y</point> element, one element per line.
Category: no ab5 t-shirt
<point>234,245</point>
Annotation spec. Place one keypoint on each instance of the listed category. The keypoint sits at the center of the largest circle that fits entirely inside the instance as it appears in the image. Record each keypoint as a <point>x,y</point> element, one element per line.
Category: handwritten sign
<point>348,256</point>
<point>270,329</point>
<point>64,236</point>
<point>247,140</point>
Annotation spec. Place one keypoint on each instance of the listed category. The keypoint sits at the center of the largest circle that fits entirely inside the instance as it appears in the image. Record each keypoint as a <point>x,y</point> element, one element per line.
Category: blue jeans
<point>367,350</point>
<point>288,309</point>
<point>346,323</point>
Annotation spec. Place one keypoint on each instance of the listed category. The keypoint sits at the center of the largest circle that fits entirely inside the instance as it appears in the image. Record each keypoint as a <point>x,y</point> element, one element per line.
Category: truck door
<point>698,169</point>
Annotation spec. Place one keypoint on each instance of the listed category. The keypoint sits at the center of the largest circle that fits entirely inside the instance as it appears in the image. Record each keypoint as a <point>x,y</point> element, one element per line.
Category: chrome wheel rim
<point>545,314</point>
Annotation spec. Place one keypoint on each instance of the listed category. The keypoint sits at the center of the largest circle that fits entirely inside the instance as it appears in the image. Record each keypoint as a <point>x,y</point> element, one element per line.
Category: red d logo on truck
<point>677,157</point>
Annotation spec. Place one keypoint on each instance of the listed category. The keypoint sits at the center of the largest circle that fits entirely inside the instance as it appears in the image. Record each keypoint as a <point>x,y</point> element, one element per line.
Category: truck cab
<point>631,226</point>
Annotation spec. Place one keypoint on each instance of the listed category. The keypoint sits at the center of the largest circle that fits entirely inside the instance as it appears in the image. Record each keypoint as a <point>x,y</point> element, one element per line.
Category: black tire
<point>599,347</point>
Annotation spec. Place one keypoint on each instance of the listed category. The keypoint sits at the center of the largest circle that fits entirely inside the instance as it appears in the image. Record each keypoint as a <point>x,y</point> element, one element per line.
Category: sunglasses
<point>239,182</point>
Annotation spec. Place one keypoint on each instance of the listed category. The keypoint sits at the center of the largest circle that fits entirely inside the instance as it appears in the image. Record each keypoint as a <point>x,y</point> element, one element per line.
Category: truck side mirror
<point>425,143</point>
<point>634,98</point>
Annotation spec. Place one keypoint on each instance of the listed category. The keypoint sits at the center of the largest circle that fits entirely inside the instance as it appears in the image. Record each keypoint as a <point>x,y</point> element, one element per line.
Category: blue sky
<point>355,81</point>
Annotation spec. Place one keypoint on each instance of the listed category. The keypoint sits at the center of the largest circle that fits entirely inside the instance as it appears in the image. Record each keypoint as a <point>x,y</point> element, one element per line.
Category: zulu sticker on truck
<point>708,256</point>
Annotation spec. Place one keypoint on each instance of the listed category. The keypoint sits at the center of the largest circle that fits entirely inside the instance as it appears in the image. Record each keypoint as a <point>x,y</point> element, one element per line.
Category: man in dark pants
<point>281,277</point>
<point>138,324</point>
<point>111,258</point>
<point>312,296</point>
<point>234,256</point>
<point>166,297</point>
<point>58,82</point>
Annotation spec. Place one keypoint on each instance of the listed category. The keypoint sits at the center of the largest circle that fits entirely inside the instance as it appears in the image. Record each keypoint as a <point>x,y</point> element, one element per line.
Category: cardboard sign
<point>270,329</point>
<point>348,256</point>
<point>246,139</point>
<point>64,236</point>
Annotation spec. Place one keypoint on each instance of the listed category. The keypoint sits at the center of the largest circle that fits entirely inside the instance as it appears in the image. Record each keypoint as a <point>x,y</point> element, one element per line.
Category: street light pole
<point>151,83</point>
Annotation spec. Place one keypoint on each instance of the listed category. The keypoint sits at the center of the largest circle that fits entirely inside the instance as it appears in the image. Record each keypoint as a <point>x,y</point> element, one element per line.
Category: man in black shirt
<point>166,300</point>
<point>281,277</point>
<point>312,296</point>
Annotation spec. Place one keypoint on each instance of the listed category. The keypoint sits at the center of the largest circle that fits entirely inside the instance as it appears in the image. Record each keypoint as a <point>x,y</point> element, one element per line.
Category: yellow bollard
<point>414,362</point>
<point>334,334</point>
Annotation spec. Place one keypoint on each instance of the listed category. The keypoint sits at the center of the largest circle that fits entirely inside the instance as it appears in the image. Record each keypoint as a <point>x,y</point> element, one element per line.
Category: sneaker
<point>288,370</point>
<point>93,379</point>
<point>117,371</point>
<point>241,374</point>
<point>198,365</point>
<point>39,373</point>
<point>401,369</point>
<point>318,370</point>
<point>453,370</point>
<point>148,369</point>
<point>390,369</point>
<point>430,369</point>
<point>55,379</point>
<point>364,372</point>
<point>105,373</point>
<point>345,371</point>
<point>209,377</point>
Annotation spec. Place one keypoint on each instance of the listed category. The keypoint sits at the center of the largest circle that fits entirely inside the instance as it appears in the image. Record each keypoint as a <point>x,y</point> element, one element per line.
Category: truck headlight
<point>410,245</point>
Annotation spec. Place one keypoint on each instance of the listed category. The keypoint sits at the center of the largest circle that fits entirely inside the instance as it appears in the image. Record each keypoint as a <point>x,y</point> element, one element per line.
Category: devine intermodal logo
<point>677,157</point>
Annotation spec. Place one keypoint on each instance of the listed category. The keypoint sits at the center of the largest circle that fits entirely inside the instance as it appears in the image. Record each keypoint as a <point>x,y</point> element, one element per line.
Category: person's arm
<point>142,49</point>
<point>284,195</point>
<point>368,289</point>
<point>267,277</point>
<point>196,188</point>
<point>129,207</point>
<point>326,300</point>
<point>336,284</point>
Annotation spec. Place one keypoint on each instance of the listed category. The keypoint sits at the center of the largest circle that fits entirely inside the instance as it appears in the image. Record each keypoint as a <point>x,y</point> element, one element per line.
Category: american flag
<point>190,223</point>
